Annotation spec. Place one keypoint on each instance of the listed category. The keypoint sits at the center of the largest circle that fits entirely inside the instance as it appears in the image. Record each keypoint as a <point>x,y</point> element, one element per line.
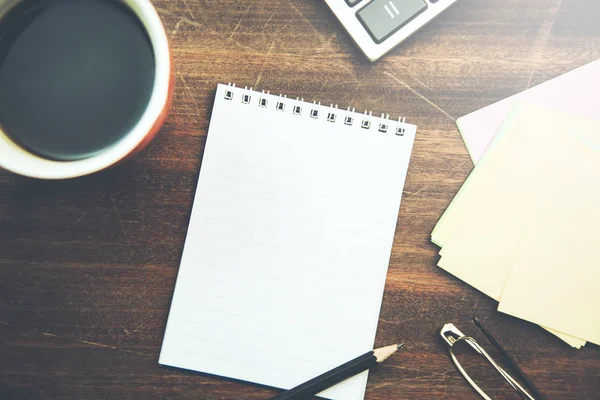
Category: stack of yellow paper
<point>524,227</point>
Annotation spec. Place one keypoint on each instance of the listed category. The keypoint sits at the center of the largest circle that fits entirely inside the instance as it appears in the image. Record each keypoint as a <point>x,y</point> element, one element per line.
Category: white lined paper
<point>289,241</point>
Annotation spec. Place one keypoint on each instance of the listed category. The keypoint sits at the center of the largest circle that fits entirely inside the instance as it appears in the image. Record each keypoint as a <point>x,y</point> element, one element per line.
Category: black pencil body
<point>330,378</point>
<point>509,360</point>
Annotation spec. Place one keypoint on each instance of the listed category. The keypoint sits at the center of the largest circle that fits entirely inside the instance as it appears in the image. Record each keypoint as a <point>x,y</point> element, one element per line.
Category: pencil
<point>362,363</point>
<point>509,360</point>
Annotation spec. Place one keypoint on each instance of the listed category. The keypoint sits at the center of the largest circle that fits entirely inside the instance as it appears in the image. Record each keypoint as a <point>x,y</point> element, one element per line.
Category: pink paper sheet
<point>576,92</point>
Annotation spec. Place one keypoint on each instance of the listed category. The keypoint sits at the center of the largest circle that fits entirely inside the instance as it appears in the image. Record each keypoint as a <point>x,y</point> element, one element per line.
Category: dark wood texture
<point>87,266</point>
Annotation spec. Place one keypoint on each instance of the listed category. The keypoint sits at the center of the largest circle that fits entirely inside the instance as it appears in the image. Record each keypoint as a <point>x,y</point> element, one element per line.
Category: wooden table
<point>87,266</point>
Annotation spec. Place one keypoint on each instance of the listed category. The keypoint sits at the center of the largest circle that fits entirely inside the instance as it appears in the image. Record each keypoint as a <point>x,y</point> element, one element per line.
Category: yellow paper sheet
<point>468,193</point>
<point>554,279</point>
<point>479,231</point>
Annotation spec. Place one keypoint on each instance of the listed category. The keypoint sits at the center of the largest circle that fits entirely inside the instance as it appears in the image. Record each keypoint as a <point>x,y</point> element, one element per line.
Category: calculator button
<point>353,2</point>
<point>382,18</point>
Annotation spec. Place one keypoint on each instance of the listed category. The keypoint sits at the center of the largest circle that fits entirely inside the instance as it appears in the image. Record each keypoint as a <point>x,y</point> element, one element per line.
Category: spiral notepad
<point>286,256</point>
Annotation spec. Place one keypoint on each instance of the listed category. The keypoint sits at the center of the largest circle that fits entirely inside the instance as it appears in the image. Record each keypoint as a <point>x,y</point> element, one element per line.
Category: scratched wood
<point>87,266</point>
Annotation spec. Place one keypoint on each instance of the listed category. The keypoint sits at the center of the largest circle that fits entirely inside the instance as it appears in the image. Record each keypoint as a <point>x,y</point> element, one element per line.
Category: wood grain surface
<point>87,266</point>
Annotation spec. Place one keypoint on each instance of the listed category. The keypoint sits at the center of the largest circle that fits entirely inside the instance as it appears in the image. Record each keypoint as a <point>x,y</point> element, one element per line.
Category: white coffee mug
<point>21,161</point>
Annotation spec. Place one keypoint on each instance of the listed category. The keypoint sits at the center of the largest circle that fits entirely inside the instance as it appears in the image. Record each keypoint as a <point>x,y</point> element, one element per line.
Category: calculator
<point>377,26</point>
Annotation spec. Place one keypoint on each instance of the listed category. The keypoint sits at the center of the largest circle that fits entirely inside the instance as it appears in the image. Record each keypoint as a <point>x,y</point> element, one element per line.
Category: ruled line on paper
<point>348,277</point>
<point>273,171</point>
<point>330,213</point>
<point>327,347</point>
<point>303,252</point>
<point>314,285</point>
<point>256,228</point>
<point>261,350</point>
<point>356,218</point>
<point>269,317</point>
<point>266,367</point>
<point>363,233</point>
<point>355,304</point>
<point>315,256</point>
<point>319,191</point>
<point>358,308</point>
<point>256,342</point>
<point>283,348</point>
<point>277,170</point>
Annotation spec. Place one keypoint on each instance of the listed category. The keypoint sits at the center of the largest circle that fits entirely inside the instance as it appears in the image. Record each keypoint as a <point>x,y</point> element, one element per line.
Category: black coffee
<point>75,75</point>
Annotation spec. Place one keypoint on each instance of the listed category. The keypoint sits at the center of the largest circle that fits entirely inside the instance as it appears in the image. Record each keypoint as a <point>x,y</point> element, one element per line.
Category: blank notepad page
<point>286,256</point>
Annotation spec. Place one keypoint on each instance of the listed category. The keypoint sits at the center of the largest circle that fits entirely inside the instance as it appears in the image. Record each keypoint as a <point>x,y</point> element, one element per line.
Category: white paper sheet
<point>286,256</point>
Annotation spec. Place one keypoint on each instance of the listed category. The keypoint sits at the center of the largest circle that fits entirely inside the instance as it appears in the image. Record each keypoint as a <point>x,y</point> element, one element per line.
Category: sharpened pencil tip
<point>401,345</point>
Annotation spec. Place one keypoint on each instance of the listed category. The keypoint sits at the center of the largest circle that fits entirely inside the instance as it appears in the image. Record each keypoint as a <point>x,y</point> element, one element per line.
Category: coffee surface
<point>75,75</point>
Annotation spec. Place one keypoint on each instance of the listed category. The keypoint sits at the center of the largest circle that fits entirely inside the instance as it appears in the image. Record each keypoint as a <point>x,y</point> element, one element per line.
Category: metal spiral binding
<point>314,111</point>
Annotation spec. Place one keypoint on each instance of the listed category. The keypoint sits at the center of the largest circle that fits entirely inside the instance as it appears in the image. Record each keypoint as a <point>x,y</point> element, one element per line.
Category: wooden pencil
<point>362,363</point>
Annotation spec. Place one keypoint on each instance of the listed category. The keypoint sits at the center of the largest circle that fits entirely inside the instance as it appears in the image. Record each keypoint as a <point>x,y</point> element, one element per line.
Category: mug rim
<point>21,161</point>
